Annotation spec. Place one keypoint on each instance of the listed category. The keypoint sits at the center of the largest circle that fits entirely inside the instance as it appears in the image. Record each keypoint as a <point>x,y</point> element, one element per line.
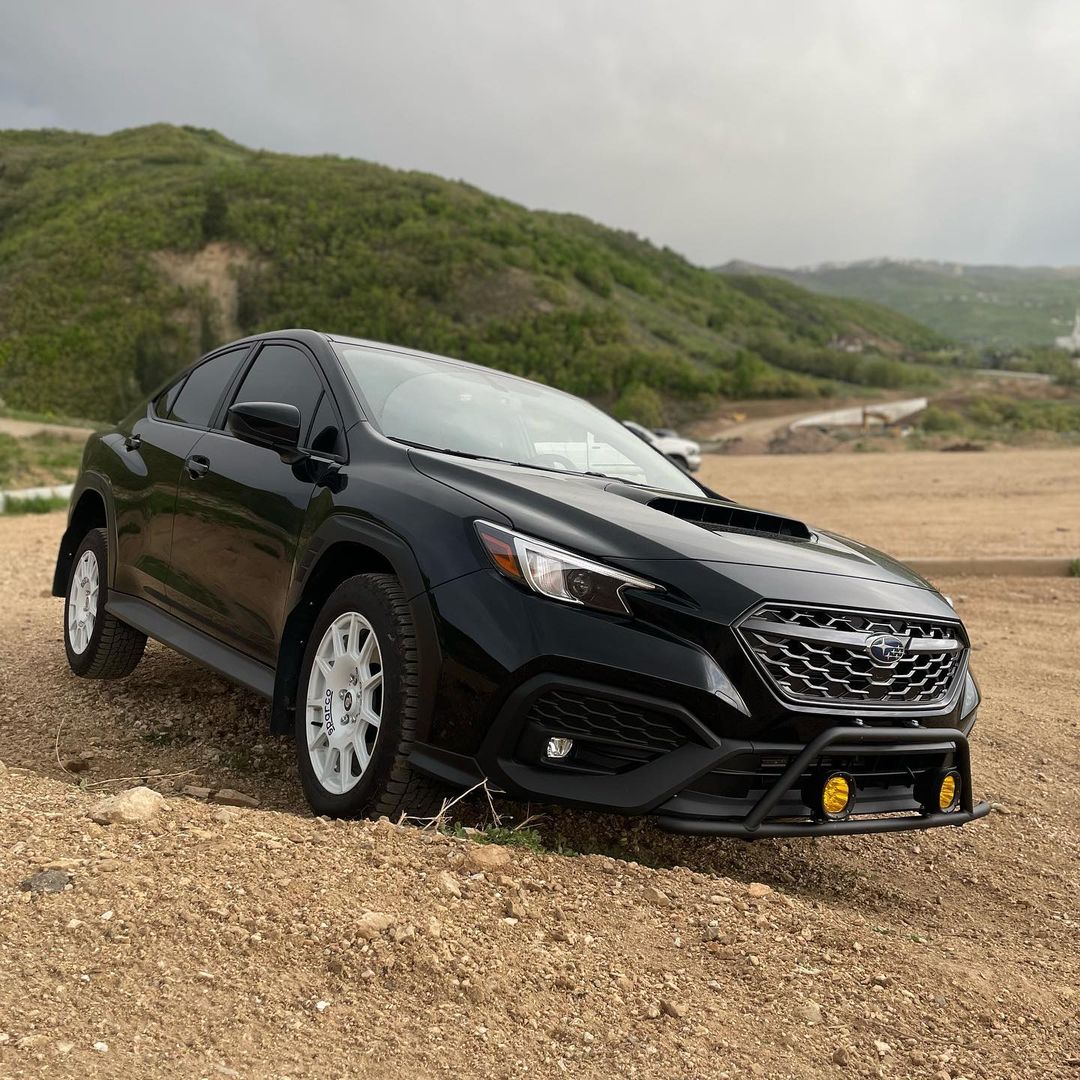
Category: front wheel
<point>357,710</point>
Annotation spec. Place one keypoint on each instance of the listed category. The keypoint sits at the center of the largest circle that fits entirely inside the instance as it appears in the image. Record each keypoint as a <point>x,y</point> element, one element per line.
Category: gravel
<point>232,940</point>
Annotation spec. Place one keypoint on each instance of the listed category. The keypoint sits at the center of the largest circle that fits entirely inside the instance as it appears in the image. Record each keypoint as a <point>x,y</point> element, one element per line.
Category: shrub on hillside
<point>641,403</point>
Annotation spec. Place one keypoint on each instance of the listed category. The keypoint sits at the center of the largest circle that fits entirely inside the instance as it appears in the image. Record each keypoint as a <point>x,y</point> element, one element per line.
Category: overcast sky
<point>780,131</point>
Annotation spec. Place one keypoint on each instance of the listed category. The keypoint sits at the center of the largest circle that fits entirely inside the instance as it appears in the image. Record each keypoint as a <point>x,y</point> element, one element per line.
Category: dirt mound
<point>803,441</point>
<point>271,944</point>
<point>211,940</point>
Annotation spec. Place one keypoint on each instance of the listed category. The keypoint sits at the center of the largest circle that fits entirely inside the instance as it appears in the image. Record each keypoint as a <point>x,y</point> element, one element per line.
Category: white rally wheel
<point>82,605</point>
<point>344,703</point>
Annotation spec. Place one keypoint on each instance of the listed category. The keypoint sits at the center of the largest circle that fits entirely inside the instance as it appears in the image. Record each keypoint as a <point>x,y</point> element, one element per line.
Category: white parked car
<point>684,452</point>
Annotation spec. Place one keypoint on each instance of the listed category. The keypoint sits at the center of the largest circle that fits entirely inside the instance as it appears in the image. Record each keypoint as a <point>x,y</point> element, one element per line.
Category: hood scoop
<point>727,517</point>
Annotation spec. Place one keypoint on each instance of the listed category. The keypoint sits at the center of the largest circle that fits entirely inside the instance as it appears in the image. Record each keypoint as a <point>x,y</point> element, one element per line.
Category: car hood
<point>625,523</point>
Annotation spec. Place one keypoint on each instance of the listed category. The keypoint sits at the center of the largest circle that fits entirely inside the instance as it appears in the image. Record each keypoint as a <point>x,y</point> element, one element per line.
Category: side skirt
<point>192,643</point>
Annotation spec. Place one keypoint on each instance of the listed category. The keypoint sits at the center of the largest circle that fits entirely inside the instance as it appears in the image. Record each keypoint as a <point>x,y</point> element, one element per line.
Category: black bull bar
<point>754,826</point>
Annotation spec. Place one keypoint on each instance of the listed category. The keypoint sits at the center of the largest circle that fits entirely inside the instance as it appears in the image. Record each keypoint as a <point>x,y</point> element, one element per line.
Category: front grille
<point>604,719</point>
<point>822,655</point>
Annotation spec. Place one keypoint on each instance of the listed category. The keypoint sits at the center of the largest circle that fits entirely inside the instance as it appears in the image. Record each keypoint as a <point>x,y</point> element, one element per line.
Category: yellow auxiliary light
<point>949,792</point>
<point>837,795</point>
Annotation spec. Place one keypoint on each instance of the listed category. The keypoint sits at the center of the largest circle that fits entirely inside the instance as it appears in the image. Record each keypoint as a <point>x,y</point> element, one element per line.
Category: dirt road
<point>763,419</point>
<point>23,429</point>
<point>235,942</point>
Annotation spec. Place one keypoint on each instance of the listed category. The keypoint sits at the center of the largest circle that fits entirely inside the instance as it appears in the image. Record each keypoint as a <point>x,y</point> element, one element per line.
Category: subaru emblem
<point>885,649</point>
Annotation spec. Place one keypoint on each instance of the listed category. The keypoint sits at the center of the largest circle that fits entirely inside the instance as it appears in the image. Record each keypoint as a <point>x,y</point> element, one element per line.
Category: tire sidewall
<point>94,541</point>
<point>361,596</point>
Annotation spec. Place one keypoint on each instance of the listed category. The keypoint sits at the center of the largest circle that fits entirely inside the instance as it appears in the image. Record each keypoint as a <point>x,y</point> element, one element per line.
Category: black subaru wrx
<point>440,574</point>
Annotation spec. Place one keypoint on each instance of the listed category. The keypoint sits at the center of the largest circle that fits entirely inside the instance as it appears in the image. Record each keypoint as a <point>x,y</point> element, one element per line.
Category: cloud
<point>784,131</point>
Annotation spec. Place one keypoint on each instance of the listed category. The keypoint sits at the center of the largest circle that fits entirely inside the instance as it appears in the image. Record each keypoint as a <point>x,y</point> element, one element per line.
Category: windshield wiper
<point>502,461</point>
<point>464,454</point>
<point>527,464</point>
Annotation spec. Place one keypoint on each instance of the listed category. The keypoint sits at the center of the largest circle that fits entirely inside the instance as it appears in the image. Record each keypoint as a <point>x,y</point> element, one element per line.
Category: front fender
<point>79,520</point>
<point>301,610</point>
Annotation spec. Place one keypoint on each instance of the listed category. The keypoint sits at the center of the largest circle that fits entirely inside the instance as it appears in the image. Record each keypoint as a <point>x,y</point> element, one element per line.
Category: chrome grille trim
<point>820,655</point>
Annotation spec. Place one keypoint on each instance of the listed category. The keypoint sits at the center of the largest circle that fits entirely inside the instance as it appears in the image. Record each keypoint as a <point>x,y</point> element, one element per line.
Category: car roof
<point>307,334</point>
<point>405,350</point>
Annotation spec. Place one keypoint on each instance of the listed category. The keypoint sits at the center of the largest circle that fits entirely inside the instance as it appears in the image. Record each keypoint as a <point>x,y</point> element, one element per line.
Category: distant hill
<point>122,257</point>
<point>983,305</point>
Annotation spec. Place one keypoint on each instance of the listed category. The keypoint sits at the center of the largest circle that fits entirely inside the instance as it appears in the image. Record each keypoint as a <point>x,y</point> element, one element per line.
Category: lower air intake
<point>605,720</point>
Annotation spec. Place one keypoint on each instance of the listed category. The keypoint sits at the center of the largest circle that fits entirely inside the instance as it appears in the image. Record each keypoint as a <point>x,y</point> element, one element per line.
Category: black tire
<point>388,786</point>
<point>114,648</point>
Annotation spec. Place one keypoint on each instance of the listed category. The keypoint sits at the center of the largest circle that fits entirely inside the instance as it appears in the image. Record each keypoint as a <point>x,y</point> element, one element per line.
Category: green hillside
<point>122,257</point>
<point>999,306</point>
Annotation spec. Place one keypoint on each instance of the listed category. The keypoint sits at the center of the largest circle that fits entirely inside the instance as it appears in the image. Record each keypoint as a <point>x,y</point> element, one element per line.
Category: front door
<point>239,513</point>
<point>153,453</point>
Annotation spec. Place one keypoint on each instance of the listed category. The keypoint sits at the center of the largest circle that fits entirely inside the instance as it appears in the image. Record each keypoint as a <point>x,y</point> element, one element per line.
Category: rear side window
<point>284,374</point>
<point>203,389</point>
<point>166,399</point>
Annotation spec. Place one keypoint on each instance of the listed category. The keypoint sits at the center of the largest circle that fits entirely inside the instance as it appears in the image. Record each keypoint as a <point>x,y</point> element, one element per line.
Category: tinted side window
<point>282,373</point>
<point>325,434</point>
<point>166,399</point>
<point>204,387</point>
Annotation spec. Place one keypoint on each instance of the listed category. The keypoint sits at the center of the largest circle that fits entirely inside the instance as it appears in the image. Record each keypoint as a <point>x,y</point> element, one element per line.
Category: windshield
<point>466,410</point>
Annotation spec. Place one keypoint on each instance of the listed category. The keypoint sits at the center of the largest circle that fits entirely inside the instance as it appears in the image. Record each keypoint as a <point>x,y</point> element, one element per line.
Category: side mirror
<point>272,424</point>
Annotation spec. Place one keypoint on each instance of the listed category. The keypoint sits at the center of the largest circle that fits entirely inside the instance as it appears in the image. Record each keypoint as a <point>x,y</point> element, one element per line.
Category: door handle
<point>197,466</point>
<point>132,441</point>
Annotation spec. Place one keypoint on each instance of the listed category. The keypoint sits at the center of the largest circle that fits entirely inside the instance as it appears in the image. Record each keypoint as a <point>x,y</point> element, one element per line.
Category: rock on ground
<point>128,807</point>
<point>46,881</point>
<point>487,858</point>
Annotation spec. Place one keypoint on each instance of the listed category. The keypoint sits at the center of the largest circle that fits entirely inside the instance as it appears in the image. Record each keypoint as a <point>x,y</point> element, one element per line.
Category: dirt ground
<point>213,941</point>
<point>1008,502</point>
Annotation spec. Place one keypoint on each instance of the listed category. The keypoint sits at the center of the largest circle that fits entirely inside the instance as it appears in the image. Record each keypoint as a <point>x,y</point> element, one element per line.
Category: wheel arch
<point>340,548</point>
<point>90,508</point>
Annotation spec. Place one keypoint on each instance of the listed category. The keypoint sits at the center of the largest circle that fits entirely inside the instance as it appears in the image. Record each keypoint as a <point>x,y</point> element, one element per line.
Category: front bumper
<point>677,785</point>
<point>651,736</point>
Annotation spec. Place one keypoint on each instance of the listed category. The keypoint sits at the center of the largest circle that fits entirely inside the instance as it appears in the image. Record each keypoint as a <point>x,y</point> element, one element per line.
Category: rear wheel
<point>357,708</point>
<point>98,645</point>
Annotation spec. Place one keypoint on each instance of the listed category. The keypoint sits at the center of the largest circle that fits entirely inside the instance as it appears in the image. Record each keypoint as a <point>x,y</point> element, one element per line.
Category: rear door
<point>240,509</point>
<point>153,454</point>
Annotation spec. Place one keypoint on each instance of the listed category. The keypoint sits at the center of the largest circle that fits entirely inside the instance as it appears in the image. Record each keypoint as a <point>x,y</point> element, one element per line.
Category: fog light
<point>837,796</point>
<point>558,748</point>
<point>949,792</point>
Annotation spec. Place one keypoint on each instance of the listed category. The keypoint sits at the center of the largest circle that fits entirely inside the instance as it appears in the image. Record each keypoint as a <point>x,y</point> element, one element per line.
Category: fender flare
<point>349,528</point>
<point>98,483</point>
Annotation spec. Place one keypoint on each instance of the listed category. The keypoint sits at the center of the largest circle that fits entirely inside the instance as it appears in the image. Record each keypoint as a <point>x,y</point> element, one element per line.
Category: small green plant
<point>520,837</point>
<point>1074,568</point>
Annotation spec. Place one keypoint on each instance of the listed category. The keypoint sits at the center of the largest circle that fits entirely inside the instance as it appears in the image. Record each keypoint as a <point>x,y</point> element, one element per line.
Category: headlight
<point>558,574</point>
